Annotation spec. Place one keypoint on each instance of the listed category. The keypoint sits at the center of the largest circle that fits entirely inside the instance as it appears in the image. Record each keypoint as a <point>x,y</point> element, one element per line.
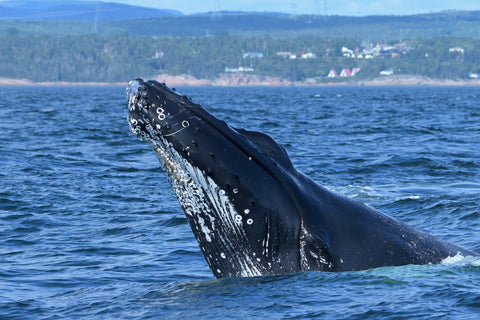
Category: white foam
<point>460,260</point>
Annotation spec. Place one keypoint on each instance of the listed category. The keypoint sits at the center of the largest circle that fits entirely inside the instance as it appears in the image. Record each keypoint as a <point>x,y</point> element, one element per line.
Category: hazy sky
<point>340,7</point>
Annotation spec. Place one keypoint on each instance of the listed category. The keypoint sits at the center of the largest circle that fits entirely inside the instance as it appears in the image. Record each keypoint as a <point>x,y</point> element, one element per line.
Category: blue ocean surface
<point>90,228</point>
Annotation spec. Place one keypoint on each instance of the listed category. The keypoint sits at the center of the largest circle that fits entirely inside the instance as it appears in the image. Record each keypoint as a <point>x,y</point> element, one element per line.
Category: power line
<point>216,12</point>
<point>95,21</point>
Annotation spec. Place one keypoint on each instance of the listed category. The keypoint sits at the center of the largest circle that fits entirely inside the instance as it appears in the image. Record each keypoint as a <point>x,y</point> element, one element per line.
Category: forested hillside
<point>112,58</point>
<point>438,45</point>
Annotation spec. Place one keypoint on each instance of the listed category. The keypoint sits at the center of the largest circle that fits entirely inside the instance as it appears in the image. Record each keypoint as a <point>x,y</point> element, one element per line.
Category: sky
<point>330,7</point>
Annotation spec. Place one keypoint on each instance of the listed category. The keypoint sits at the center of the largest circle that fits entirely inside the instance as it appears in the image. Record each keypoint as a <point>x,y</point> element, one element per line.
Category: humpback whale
<point>251,211</point>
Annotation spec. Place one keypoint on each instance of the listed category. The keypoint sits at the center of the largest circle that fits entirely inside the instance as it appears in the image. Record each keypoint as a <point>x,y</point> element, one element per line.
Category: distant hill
<point>76,18</point>
<point>454,23</point>
<point>77,10</point>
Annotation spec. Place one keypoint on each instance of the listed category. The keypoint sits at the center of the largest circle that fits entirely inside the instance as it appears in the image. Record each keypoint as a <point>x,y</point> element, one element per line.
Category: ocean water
<point>90,228</point>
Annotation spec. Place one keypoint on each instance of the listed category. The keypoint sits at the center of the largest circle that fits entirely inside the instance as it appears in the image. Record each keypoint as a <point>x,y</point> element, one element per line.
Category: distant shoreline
<point>234,80</point>
<point>30,83</point>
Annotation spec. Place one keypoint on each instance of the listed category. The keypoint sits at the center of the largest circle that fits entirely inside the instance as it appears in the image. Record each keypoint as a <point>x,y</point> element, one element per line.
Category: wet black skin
<point>297,224</point>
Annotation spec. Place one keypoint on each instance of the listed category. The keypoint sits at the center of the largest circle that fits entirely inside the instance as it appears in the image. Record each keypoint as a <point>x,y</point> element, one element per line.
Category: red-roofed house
<point>332,74</point>
<point>345,73</point>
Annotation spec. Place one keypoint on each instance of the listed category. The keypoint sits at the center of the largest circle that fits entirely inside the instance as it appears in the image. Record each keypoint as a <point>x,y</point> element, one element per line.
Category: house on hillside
<point>286,54</point>
<point>457,50</point>
<point>257,55</point>
<point>345,73</point>
<point>245,69</point>
<point>355,71</point>
<point>332,74</point>
<point>348,53</point>
<point>402,48</point>
<point>368,56</point>
<point>387,72</point>
<point>308,55</point>
<point>239,69</point>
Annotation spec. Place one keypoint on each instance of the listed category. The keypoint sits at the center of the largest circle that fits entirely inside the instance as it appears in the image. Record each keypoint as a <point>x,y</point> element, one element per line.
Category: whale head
<point>224,179</point>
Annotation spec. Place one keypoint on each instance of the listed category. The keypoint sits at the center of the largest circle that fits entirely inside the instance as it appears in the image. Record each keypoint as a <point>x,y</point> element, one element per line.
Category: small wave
<point>387,192</point>
<point>415,197</point>
<point>312,131</point>
<point>460,260</point>
<point>381,160</point>
<point>46,110</point>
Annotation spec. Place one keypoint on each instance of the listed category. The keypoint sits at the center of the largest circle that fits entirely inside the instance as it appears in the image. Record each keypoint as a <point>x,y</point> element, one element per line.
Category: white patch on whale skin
<point>205,229</point>
<point>195,191</point>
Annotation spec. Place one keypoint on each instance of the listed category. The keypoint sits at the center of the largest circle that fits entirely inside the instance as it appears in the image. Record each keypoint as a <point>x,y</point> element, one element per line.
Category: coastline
<point>30,83</point>
<point>234,80</point>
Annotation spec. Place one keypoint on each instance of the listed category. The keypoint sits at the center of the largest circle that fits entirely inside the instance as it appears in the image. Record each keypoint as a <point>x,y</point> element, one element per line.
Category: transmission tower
<point>294,7</point>
<point>317,8</point>
<point>216,12</point>
<point>95,20</point>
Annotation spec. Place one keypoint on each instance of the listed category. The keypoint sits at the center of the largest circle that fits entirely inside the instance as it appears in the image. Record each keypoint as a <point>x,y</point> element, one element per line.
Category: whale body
<point>252,212</point>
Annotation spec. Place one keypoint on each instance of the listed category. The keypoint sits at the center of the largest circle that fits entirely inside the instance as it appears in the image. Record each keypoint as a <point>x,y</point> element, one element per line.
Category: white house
<point>347,52</point>
<point>457,49</point>
<point>308,55</point>
<point>239,69</point>
<point>258,55</point>
<point>387,72</point>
